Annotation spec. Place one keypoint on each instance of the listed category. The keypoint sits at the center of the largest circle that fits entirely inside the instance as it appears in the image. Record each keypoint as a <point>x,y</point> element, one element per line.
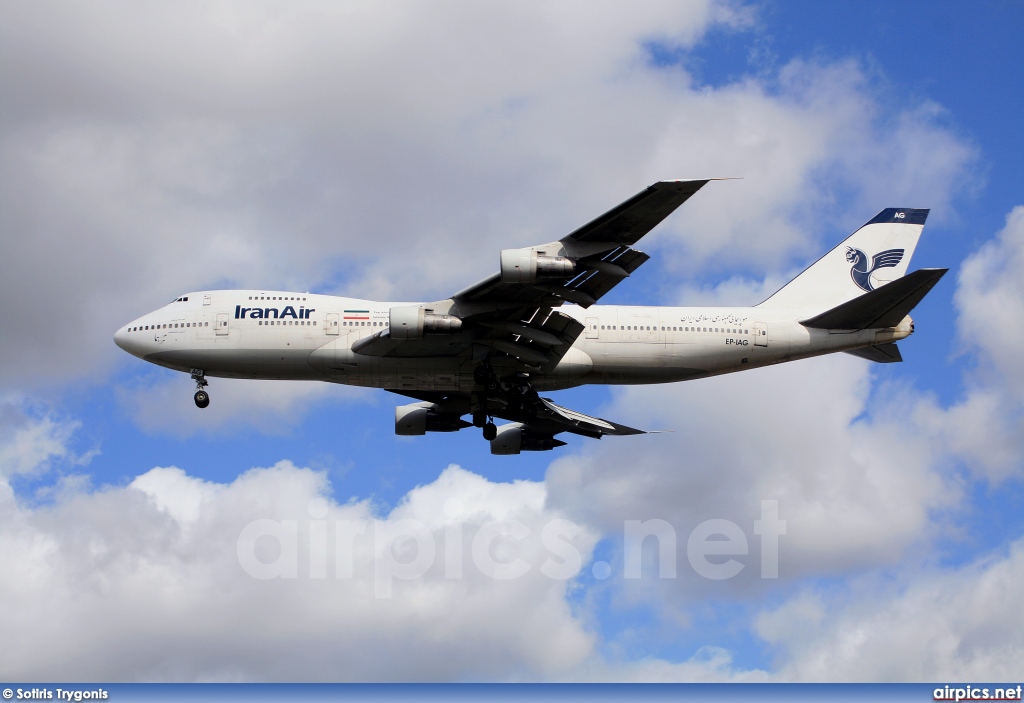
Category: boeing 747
<point>492,350</point>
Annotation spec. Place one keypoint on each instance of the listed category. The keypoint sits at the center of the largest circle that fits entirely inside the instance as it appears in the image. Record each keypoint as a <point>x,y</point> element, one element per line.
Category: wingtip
<point>667,181</point>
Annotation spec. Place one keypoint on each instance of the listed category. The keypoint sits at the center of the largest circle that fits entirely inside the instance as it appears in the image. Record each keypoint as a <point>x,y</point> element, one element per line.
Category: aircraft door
<point>222,324</point>
<point>760,334</point>
<point>592,328</point>
<point>332,325</point>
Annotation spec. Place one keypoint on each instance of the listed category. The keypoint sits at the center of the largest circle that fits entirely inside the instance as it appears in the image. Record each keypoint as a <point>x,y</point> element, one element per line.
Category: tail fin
<point>877,253</point>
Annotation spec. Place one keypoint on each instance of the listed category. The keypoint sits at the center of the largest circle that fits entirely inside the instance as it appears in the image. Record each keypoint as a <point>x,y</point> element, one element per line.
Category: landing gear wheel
<point>492,384</point>
<point>479,419</point>
<point>490,431</point>
<point>202,397</point>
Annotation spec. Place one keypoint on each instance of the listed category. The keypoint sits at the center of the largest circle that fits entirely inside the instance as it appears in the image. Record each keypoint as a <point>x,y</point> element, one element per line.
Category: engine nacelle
<point>513,439</point>
<point>529,266</point>
<point>414,321</point>
<point>420,418</point>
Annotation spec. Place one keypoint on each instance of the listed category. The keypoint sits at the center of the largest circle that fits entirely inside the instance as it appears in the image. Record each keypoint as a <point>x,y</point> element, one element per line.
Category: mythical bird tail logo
<point>861,273</point>
<point>891,236</point>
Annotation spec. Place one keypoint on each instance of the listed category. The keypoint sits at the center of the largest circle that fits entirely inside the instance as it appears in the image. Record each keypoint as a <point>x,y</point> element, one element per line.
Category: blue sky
<point>391,153</point>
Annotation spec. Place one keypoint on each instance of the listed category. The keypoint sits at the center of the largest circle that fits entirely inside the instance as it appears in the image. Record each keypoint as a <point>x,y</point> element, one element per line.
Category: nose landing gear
<point>202,398</point>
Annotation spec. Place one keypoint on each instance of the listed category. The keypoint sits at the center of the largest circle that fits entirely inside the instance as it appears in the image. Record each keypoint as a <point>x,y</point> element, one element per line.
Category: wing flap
<point>580,423</point>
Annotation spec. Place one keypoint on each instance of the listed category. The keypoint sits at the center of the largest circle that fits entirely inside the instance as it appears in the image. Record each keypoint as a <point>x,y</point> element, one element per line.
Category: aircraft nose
<point>121,338</point>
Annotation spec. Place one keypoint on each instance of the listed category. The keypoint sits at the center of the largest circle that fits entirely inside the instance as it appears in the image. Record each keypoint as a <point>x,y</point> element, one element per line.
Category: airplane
<point>491,350</point>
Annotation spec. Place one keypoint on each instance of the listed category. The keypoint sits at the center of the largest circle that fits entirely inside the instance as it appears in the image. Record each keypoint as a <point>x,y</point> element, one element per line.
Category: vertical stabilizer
<point>877,253</point>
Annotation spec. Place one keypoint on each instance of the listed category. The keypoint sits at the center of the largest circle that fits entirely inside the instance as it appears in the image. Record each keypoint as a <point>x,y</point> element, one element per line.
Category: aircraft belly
<point>337,362</point>
<point>430,374</point>
<point>239,363</point>
<point>640,362</point>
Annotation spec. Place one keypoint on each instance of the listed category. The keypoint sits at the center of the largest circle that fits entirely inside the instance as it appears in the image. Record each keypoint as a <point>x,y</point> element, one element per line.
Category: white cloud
<point>963,624</point>
<point>986,428</point>
<point>32,439</point>
<point>708,664</point>
<point>990,299</point>
<point>152,571</point>
<point>856,483</point>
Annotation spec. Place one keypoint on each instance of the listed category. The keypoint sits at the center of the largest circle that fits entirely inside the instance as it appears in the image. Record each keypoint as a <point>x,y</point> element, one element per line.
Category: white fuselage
<point>300,336</point>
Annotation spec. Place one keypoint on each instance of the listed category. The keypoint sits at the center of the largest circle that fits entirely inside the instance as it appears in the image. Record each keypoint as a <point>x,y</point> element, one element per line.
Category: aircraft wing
<point>602,250</point>
<point>540,417</point>
<point>513,311</point>
<point>578,423</point>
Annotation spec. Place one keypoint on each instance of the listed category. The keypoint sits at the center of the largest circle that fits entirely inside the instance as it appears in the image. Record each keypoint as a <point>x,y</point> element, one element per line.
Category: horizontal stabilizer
<point>887,353</point>
<point>885,306</point>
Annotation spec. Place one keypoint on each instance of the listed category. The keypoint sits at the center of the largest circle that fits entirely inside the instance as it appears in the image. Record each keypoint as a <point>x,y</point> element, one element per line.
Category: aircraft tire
<point>490,431</point>
<point>202,399</point>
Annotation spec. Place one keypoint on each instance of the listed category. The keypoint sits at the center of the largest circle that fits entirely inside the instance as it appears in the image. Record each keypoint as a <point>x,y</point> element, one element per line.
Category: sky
<point>389,152</point>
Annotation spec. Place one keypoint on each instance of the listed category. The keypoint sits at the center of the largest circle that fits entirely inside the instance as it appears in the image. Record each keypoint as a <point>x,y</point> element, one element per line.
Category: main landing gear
<point>484,376</point>
<point>202,398</point>
<point>481,419</point>
<point>520,399</point>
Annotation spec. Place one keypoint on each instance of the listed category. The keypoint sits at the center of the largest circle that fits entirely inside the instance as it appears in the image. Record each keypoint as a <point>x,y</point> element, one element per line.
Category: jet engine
<point>530,266</point>
<point>515,437</point>
<point>420,418</point>
<point>414,321</point>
